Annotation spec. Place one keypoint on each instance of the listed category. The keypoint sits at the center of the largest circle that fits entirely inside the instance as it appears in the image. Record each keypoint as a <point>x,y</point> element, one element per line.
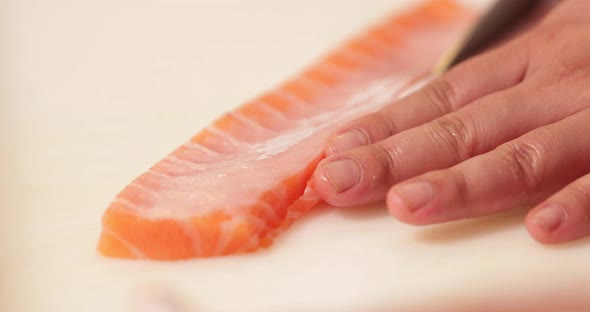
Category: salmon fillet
<point>241,181</point>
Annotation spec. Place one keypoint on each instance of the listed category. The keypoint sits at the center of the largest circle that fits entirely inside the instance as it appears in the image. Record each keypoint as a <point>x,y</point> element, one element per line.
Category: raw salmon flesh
<point>241,181</point>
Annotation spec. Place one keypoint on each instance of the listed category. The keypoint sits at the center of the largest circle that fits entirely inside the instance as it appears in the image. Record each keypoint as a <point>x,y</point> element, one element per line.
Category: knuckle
<point>386,158</point>
<point>442,95</point>
<point>526,160</point>
<point>454,134</point>
<point>460,185</point>
<point>384,121</point>
<point>453,185</point>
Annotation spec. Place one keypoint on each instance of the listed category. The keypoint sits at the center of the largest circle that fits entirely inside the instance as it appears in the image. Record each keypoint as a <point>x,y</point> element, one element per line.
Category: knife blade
<point>498,17</point>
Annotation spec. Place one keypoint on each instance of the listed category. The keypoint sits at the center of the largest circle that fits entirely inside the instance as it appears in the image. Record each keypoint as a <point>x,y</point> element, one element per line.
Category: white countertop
<point>94,92</point>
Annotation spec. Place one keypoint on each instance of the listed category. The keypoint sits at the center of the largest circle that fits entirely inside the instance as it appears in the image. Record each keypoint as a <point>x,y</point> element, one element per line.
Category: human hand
<point>507,128</point>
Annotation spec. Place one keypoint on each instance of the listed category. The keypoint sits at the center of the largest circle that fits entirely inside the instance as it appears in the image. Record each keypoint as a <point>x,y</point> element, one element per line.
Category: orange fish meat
<point>241,181</point>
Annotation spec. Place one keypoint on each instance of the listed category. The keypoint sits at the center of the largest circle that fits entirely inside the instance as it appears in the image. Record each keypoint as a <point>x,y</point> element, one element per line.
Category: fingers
<point>457,88</point>
<point>370,170</point>
<point>563,217</point>
<point>517,173</point>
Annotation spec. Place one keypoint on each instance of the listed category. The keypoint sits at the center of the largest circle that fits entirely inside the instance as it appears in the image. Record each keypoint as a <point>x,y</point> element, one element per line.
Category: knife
<point>500,15</point>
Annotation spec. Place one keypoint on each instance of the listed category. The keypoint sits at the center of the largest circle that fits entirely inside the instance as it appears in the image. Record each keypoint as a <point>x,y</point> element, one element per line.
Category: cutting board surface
<point>94,92</point>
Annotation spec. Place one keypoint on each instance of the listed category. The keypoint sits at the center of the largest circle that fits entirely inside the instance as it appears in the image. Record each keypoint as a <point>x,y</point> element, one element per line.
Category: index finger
<point>495,70</point>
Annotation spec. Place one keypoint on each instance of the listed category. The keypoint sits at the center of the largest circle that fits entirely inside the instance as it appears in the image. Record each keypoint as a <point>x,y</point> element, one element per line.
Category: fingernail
<point>412,196</point>
<point>343,174</point>
<point>348,140</point>
<point>549,218</point>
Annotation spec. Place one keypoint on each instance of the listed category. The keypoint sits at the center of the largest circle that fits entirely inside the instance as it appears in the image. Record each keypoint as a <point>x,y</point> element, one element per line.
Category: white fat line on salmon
<point>391,36</point>
<point>377,94</point>
<point>178,169</point>
<point>248,121</point>
<point>160,179</point>
<point>291,98</point>
<point>199,147</point>
<point>370,61</point>
<point>270,211</point>
<point>146,190</point>
<point>266,108</point>
<point>190,231</point>
<point>314,84</point>
<point>234,141</point>
<point>198,158</point>
<point>125,203</point>
<point>226,229</point>
<point>333,70</point>
<point>134,250</point>
<point>184,163</point>
<point>284,141</point>
<point>374,96</point>
<point>348,56</point>
<point>378,44</point>
<point>166,180</point>
<point>161,175</point>
<point>255,233</point>
<point>396,31</point>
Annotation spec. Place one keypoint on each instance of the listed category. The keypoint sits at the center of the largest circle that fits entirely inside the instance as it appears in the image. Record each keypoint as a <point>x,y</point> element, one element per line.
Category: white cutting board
<point>94,92</point>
